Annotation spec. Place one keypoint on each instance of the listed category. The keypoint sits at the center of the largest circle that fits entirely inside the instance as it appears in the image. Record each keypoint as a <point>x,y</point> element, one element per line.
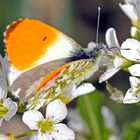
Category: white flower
<point>130,49</point>
<point>132,9</point>
<point>3,137</point>
<point>49,128</point>
<point>8,108</point>
<point>134,70</point>
<point>115,61</point>
<point>133,94</point>
<point>112,41</point>
<point>111,38</point>
<point>3,84</point>
<point>73,92</point>
<point>135,32</point>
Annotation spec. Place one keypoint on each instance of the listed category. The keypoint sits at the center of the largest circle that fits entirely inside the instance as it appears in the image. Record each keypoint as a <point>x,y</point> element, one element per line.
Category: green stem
<point>28,133</point>
<point>92,116</point>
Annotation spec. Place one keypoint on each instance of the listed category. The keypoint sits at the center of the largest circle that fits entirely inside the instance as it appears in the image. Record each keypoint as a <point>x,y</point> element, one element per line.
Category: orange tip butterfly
<point>44,64</point>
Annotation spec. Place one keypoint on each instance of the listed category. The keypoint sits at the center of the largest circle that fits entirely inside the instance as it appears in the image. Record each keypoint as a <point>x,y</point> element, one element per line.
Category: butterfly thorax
<point>91,52</point>
<point>94,51</point>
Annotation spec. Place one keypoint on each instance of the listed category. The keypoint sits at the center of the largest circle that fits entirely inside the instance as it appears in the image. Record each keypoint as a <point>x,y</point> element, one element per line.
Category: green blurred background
<point>76,18</point>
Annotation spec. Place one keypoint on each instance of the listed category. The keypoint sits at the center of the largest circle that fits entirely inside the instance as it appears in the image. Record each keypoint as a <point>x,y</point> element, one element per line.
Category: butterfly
<point>44,63</point>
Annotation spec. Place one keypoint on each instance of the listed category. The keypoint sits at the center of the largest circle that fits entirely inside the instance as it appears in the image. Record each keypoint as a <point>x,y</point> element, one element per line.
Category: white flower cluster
<point>127,55</point>
<point>49,128</point>
<point>8,108</point>
<point>132,9</point>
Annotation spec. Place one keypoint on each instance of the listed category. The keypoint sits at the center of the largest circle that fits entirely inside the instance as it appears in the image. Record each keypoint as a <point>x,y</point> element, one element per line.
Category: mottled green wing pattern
<point>74,73</point>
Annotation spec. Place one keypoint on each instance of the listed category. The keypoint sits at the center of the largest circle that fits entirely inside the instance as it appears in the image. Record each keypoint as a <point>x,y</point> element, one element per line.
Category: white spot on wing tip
<point>4,40</point>
<point>7,27</point>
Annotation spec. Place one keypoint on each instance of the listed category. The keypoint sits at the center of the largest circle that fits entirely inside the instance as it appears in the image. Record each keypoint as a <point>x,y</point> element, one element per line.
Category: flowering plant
<point>28,91</point>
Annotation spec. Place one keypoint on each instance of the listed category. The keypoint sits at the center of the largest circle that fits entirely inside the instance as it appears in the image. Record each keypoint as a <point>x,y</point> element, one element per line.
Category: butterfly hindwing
<point>58,81</point>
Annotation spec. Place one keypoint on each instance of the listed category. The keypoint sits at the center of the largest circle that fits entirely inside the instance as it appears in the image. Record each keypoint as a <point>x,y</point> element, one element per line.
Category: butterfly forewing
<point>30,42</point>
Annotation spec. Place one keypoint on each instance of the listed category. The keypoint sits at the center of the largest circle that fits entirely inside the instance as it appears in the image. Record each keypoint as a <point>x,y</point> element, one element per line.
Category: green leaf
<point>89,107</point>
<point>132,131</point>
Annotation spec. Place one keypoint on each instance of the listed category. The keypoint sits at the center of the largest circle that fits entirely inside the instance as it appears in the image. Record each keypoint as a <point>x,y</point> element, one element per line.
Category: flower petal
<point>62,132</point>
<point>56,110</point>
<point>84,89</point>
<point>70,91</point>
<point>3,84</point>
<point>118,62</point>
<point>3,137</point>
<point>130,98</point>
<point>1,121</point>
<point>44,136</point>
<point>135,70</point>
<point>137,4</point>
<point>108,74</point>
<point>130,11</point>
<point>73,92</point>
<point>130,49</point>
<point>111,38</point>
<point>12,108</point>
<point>135,32</point>
<point>134,82</point>
<point>31,119</point>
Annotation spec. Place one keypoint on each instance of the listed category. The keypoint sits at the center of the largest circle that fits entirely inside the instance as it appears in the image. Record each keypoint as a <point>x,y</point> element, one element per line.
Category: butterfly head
<point>95,49</point>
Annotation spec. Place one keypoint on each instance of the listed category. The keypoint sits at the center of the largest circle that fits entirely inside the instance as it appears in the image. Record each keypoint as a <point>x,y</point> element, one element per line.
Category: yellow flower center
<point>11,136</point>
<point>126,63</point>
<point>137,91</point>
<point>64,99</point>
<point>136,23</point>
<point>3,110</point>
<point>46,126</point>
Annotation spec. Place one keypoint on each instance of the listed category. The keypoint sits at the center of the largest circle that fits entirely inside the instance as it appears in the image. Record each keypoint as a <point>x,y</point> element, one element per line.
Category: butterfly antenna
<point>98,25</point>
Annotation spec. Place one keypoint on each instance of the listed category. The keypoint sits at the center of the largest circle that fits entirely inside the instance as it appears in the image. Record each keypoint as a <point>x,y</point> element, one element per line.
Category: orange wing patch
<point>51,75</point>
<point>27,40</point>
